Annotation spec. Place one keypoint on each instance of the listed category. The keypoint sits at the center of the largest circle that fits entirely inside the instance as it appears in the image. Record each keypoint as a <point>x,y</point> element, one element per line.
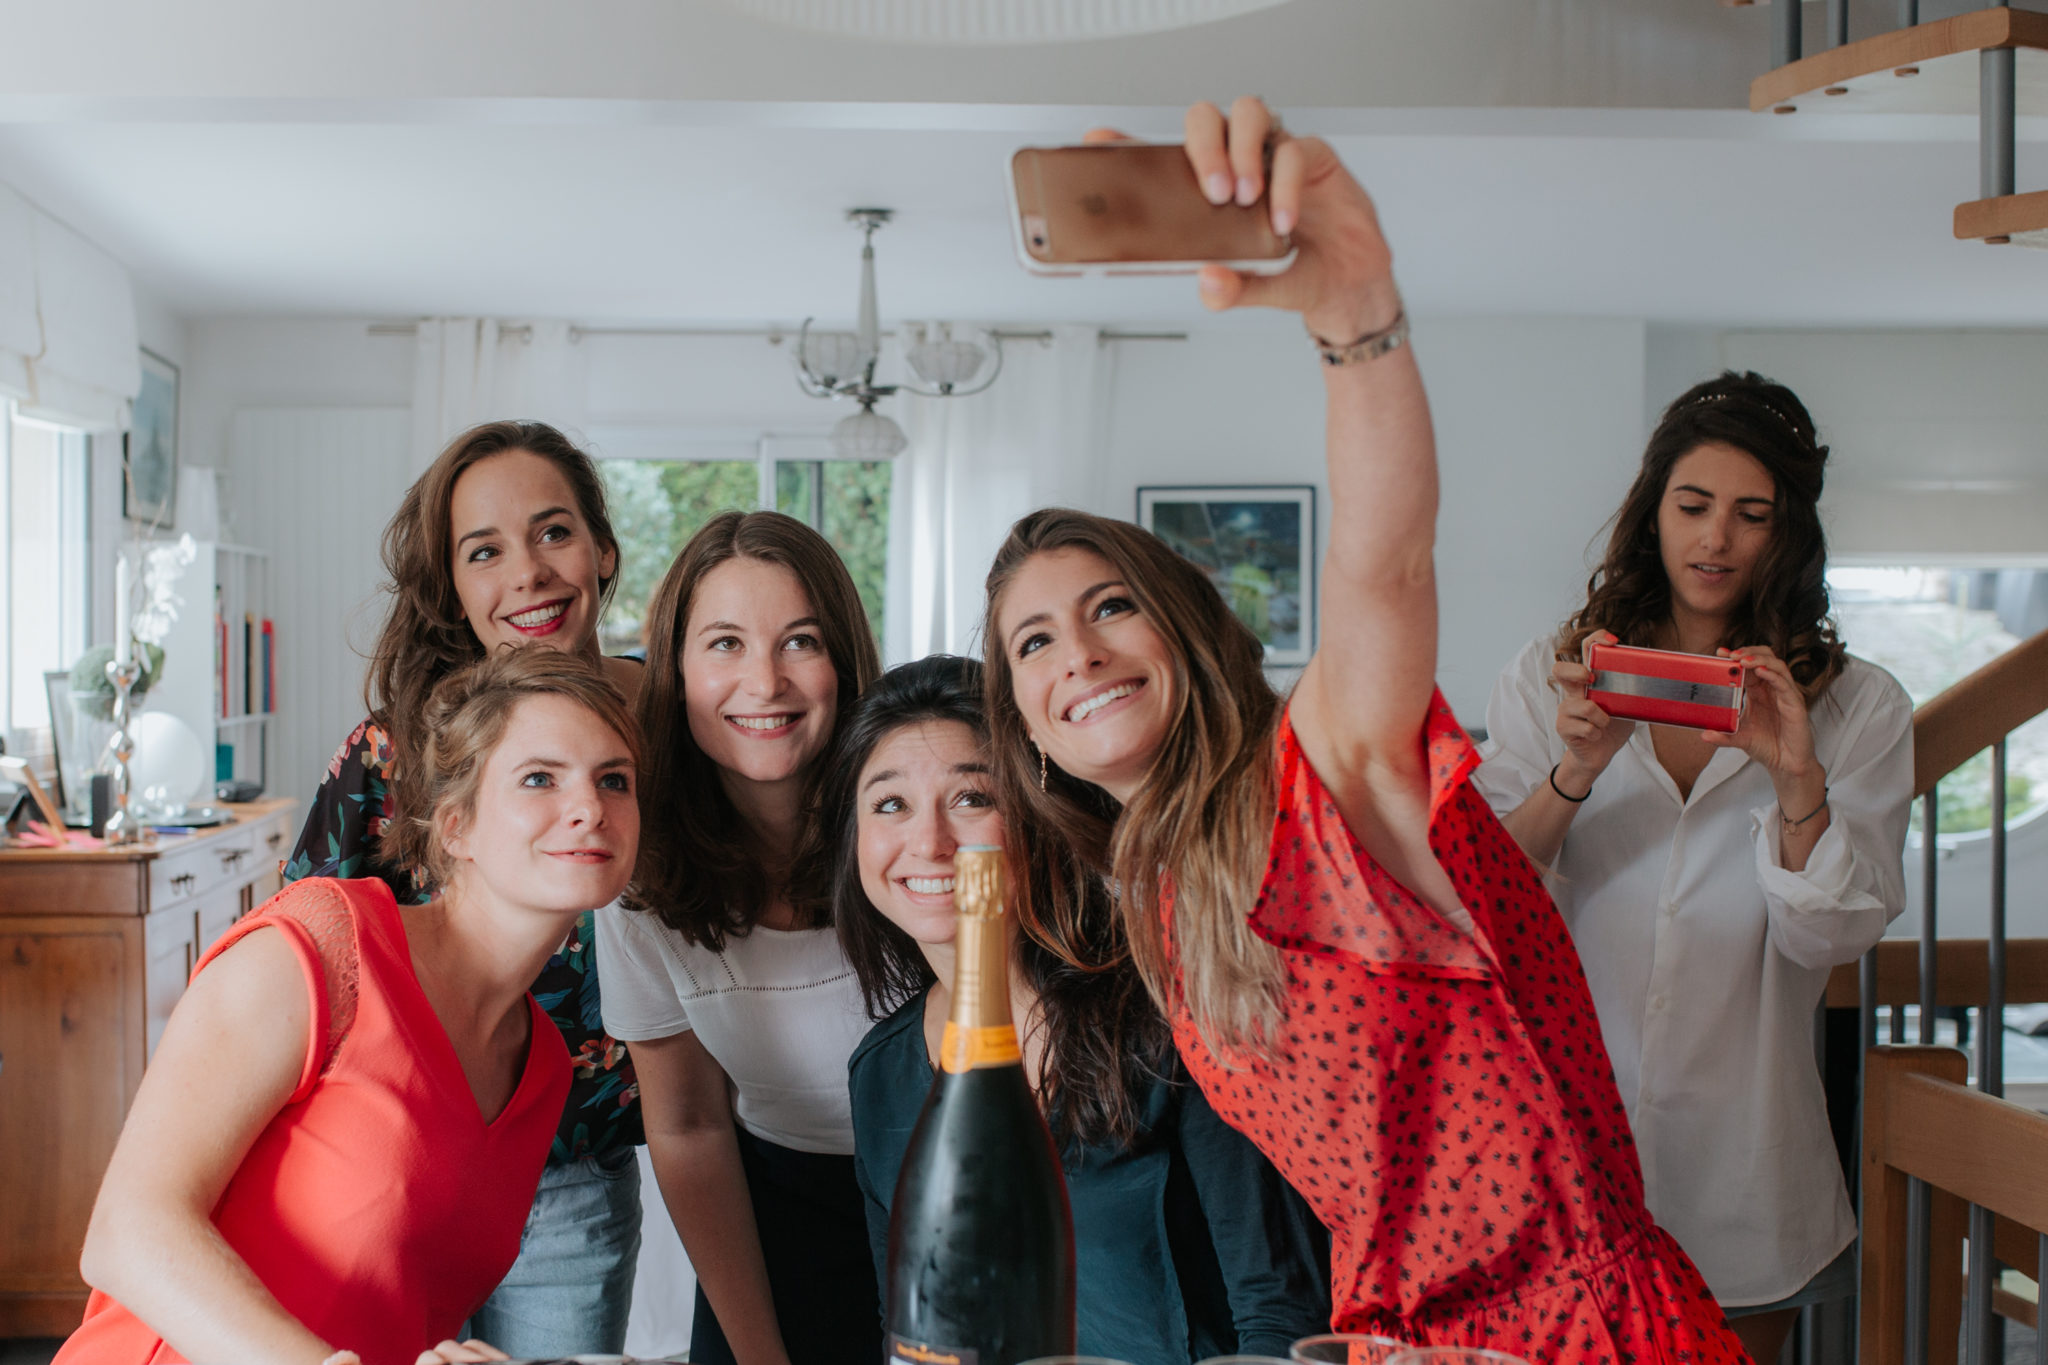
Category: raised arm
<point>152,1245</point>
<point>1360,705</point>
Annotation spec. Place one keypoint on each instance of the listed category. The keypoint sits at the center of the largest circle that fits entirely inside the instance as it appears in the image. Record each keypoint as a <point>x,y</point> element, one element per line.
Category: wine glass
<point>1245,1360</point>
<point>1453,1355</point>
<point>1344,1348</point>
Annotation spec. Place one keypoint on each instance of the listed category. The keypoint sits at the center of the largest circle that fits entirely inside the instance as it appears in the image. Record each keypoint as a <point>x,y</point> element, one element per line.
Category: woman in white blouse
<point>1711,881</point>
<point>727,977</point>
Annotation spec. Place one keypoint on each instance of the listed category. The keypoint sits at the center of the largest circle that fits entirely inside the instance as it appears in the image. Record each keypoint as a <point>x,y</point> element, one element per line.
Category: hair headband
<point>1725,396</point>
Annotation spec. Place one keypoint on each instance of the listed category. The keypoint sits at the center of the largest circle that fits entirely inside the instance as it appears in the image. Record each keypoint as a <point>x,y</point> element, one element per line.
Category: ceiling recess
<point>993,22</point>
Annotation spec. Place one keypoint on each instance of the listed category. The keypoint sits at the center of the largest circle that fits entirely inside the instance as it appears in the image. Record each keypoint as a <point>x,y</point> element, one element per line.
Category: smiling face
<point>555,825</point>
<point>525,565</point>
<point>923,793</point>
<point>759,688</point>
<point>1093,679</point>
<point>1713,525</point>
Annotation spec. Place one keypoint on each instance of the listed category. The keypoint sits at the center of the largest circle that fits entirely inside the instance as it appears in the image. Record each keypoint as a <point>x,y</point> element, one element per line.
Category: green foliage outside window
<point>657,505</point>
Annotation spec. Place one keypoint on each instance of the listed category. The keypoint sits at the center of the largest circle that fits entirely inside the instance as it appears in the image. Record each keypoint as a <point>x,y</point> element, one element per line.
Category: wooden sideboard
<point>95,949</point>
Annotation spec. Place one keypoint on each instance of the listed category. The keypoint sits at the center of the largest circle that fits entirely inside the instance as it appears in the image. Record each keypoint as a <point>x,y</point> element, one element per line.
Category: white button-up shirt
<point>1706,959</point>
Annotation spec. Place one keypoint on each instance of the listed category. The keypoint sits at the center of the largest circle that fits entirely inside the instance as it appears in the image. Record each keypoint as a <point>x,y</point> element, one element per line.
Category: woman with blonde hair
<point>1362,971</point>
<point>335,1148</point>
<point>503,543</point>
<point>1712,880</point>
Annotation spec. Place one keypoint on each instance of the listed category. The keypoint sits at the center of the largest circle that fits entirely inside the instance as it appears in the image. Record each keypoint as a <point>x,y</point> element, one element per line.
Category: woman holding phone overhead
<point>1188,1244</point>
<point>1712,880</point>
<point>502,543</point>
<point>1362,971</point>
<point>335,1147</point>
<point>723,970</point>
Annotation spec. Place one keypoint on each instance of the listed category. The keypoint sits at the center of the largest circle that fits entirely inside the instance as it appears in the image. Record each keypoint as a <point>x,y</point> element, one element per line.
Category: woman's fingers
<point>1250,123</point>
<point>1202,131</point>
<point>1290,170</point>
<point>1095,135</point>
<point>461,1353</point>
<point>1574,678</point>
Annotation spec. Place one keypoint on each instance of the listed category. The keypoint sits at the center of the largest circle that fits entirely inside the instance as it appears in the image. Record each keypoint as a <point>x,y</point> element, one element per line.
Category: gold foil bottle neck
<point>978,882</point>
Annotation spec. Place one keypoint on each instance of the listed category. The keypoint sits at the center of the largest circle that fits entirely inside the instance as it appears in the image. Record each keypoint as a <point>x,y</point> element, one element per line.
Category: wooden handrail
<point>1974,714</point>
<point>1962,974</point>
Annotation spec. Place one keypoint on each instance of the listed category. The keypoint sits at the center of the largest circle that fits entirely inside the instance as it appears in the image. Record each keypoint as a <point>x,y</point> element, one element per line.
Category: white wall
<point>1539,422</point>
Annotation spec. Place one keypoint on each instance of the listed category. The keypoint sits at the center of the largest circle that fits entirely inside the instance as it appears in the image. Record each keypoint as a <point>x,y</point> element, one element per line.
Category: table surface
<point>245,812</point>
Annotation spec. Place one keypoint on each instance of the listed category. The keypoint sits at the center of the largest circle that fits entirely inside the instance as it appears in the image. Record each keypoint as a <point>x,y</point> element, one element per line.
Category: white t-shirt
<point>780,1010</point>
<point>1706,958</point>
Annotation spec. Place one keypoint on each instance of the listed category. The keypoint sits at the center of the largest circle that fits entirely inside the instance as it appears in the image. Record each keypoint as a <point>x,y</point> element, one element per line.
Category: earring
<point>1041,768</point>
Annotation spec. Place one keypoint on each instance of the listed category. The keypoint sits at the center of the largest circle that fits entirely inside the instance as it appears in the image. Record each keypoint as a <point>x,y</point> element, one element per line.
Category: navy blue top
<point>1188,1244</point>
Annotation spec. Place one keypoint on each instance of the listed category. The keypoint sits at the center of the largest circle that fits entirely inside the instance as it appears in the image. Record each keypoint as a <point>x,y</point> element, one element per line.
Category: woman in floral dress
<point>505,542</point>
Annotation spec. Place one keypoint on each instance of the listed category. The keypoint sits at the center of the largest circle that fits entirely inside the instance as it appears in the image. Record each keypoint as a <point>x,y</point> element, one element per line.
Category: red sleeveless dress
<point>1445,1102</point>
<point>377,1206</point>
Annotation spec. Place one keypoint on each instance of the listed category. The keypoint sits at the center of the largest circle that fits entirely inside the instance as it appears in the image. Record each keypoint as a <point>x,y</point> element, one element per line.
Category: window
<point>43,515</point>
<point>1930,626</point>
<point>657,505</point>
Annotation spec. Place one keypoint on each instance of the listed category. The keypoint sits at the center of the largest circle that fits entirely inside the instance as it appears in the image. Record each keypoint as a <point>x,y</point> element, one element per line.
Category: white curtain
<point>68,348</point>
<point>21,331</point>
<point>974,465</point>
<point>471,370</point>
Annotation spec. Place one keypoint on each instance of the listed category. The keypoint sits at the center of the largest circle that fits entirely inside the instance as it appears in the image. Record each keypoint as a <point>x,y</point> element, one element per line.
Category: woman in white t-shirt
<point>728,979</point>
<point>1711,881</point>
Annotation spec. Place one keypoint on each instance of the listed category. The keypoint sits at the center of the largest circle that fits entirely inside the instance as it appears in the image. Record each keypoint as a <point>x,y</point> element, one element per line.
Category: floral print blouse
<point>340,839</point>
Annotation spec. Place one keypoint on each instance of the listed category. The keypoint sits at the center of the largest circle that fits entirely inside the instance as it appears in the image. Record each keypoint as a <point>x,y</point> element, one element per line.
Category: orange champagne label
<point>967,1049</point>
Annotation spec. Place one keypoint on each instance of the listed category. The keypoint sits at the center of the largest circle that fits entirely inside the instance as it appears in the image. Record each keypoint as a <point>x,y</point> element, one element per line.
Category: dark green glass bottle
<point>981,1241</point>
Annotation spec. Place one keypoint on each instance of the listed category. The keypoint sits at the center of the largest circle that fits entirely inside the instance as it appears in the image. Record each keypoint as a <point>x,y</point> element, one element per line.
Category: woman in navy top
<point>1189,1244</point>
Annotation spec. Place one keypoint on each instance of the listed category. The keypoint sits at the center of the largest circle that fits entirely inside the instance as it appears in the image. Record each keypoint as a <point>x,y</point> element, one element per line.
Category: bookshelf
<point>220,661</point>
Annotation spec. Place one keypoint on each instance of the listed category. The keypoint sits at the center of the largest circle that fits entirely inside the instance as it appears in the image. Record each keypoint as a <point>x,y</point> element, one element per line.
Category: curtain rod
<point>774,335</point>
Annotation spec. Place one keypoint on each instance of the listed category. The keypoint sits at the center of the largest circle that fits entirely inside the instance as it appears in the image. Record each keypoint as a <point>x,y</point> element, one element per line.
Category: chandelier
<point>842,364</point>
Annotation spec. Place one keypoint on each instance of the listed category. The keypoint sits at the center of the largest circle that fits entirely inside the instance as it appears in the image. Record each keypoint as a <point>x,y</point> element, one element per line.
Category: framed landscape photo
<point>149,456</point>
<point>1257,543</point>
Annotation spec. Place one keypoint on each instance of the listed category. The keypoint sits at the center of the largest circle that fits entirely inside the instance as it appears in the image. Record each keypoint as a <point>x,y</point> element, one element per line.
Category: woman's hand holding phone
<point>1342,277</point>
<point>1591,737</point>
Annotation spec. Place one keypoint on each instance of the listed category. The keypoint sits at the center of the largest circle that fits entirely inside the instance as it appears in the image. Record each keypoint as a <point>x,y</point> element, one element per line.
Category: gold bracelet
<point>1371,346</point>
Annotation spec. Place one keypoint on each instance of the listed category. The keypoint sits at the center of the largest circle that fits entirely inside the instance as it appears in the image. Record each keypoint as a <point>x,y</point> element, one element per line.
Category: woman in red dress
<point>1364,972</point>
<point>337,1142</point>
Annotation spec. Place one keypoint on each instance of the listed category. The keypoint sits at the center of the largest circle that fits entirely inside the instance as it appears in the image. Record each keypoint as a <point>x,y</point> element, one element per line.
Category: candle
<point>121,621</point>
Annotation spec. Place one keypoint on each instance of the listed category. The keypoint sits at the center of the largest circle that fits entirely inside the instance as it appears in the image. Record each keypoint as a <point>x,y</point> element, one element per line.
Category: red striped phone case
<point>1663,687</point>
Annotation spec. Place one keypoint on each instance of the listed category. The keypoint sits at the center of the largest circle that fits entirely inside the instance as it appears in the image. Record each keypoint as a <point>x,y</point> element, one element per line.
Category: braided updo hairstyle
<point>1787,609</point>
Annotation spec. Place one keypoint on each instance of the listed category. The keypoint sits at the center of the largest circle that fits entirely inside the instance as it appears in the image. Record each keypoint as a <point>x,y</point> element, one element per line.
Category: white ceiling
<point>670,162</point>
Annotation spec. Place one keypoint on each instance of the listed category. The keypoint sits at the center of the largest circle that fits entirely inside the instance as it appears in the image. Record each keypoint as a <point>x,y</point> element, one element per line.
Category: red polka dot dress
<point>1443,1099</point>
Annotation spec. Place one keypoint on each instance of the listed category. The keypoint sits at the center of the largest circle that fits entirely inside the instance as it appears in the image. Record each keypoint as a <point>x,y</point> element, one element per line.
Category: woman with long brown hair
<point>1187,1242</point>
<point>1712,880</point>
<point>725,974</point>
<point>1362,971</point>
<point>504,542</point>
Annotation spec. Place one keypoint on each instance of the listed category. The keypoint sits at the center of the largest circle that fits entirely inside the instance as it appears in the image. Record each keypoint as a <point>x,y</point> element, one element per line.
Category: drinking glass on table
<point>1453,1355</point>
<point>1344,1348</point>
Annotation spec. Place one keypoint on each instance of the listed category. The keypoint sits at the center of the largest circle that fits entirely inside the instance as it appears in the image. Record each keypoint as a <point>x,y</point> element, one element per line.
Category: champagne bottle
<point>981,1240</point>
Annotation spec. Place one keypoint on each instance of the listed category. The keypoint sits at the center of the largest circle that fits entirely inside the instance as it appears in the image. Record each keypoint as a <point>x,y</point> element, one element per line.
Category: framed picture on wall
<point>149,452</point>
<point>1257,543</point>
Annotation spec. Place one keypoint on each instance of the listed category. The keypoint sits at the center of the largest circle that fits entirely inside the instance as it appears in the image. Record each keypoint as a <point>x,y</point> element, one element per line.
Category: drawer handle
<point>184,881</point>
<point>276,838</point>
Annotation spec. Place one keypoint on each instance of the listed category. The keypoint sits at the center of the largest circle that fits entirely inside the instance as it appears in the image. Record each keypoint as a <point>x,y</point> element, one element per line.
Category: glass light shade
<point>867,435</point>
<point>831,356</point>
<point>945,363</point>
